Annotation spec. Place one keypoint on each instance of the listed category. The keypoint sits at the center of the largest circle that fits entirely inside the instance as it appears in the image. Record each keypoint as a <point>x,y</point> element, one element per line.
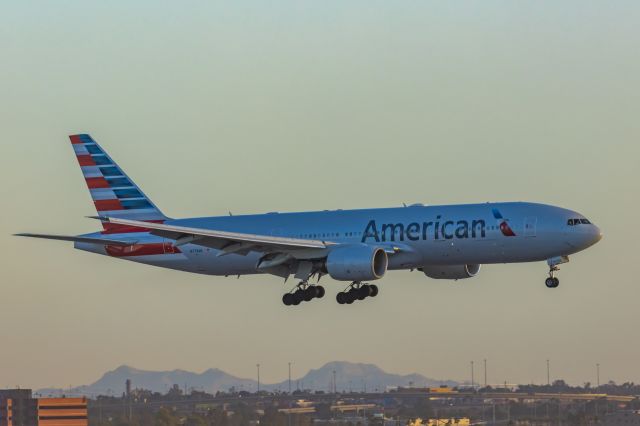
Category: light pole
<point>485,372</point>
<point>548,377</point>
<point>472,378</point>
<point>289,378</point>
<point>598,374</point>
<point>258,367</point>
<point>334,381</point>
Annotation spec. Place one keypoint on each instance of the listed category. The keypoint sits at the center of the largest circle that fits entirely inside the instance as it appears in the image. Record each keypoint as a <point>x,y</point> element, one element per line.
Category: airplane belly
<point>206,261</point>
<point>175,261</point>
<point>456,252</point>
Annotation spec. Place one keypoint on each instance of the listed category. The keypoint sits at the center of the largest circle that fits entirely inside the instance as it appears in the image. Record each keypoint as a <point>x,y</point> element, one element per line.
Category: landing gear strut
<point>356,291</point>
<point>303,292</point>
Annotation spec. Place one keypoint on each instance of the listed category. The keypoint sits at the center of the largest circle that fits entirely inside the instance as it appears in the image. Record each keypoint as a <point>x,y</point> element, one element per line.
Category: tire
<point>309,294</point>
<point>351,297</point>
<point>363,292</point>
<point>287,299</point>
<point>556,282</point>
<point>341,298</point>
<point>550,283</point>
<point>298,297</point>
<point>319,291</point>
<point>373,290</point>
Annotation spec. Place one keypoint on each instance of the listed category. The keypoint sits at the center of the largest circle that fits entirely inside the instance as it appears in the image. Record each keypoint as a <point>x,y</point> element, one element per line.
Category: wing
<point>102,241</point>
<point>227,242</point>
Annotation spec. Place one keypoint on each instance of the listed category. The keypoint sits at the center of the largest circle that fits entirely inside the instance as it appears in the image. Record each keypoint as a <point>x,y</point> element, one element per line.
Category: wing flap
<point>101,241</point>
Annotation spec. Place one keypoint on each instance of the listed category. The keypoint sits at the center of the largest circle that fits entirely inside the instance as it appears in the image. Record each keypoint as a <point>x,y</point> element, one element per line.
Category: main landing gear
<point>304,292</point>
<point>357,291</point>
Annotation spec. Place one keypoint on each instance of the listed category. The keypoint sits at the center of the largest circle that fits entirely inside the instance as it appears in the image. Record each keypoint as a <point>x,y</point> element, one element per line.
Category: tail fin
<point>113,193</point>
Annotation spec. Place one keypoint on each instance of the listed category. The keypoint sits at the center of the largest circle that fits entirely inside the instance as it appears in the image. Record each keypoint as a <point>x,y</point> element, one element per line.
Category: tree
<point>218,417</point>
<point>195,420</point>
<point>272,417</point>
<point>164,417</point>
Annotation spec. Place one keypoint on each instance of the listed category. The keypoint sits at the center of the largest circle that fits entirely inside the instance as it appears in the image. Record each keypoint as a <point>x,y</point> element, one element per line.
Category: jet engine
<point>451,272</point>
<point>358,262</point>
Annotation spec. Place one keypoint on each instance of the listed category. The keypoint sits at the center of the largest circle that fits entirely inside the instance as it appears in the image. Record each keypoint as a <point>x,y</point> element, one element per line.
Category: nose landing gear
<point>303,292</point>
<point>553,281</point>
<point>356,291</point>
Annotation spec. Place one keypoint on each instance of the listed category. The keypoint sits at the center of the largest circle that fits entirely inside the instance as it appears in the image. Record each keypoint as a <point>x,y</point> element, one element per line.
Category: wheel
<point>550,282</point>
<point>319,291</point>
<point>341,298</point>
<point>556,282</point>
<point>298,297</point>
<point>363,292</point>
<point>352,296</point>
<point>287,299</point>
<point>373,290</point>
<point>309,293</point>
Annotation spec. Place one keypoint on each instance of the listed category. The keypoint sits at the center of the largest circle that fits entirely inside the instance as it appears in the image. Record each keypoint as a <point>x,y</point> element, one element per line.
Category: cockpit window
<point>573,222</point>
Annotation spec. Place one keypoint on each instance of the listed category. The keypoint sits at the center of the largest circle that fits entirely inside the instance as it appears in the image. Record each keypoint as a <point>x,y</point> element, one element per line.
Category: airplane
<point>448,242</point>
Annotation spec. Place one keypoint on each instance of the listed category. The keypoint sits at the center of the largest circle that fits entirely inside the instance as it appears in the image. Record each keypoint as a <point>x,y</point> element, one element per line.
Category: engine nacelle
<point>451,272</point>
<point>358,262</point>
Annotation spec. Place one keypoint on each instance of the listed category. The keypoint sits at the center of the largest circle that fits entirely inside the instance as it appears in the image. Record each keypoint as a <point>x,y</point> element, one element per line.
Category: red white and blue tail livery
<point>353,246</point>
<point>114,194</point>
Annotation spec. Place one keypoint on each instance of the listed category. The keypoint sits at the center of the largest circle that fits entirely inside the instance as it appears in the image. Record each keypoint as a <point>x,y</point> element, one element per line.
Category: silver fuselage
<point>420,236</point>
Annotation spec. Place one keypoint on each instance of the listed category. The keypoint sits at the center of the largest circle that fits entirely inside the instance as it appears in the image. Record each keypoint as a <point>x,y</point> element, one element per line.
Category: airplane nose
<point>597,234</point>
<point>592,236</point>
<point>584,236</point>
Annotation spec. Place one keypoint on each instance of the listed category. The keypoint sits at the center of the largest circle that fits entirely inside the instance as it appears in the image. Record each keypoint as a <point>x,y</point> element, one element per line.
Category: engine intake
<point>451,272</point>
<point>358,262</point>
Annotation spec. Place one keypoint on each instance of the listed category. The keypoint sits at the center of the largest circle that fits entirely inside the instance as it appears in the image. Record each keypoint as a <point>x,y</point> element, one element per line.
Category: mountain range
<point>348,376</point>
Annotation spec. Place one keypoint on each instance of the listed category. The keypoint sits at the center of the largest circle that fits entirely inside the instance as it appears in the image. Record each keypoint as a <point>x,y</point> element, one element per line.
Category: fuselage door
<point>530,224</point>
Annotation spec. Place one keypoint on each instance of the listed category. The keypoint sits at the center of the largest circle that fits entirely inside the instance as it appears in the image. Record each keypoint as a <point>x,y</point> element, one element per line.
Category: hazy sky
<point>281,106</point>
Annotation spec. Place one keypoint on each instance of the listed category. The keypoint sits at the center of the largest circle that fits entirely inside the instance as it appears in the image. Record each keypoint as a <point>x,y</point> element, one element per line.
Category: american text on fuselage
<point>416,231</point>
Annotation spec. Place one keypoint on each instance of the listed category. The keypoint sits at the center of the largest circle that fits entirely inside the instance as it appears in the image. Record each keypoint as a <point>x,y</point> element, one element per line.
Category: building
<point>19,408</point>
<point>62,412</point>
<point>6,413</point>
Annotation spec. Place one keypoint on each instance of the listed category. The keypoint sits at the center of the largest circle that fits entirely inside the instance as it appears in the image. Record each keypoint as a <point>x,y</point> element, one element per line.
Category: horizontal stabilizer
<point>102,241</point>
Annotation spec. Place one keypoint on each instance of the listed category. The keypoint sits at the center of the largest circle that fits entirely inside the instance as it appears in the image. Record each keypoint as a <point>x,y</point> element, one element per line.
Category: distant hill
<point>358,377</point>
<point>349,376</point>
